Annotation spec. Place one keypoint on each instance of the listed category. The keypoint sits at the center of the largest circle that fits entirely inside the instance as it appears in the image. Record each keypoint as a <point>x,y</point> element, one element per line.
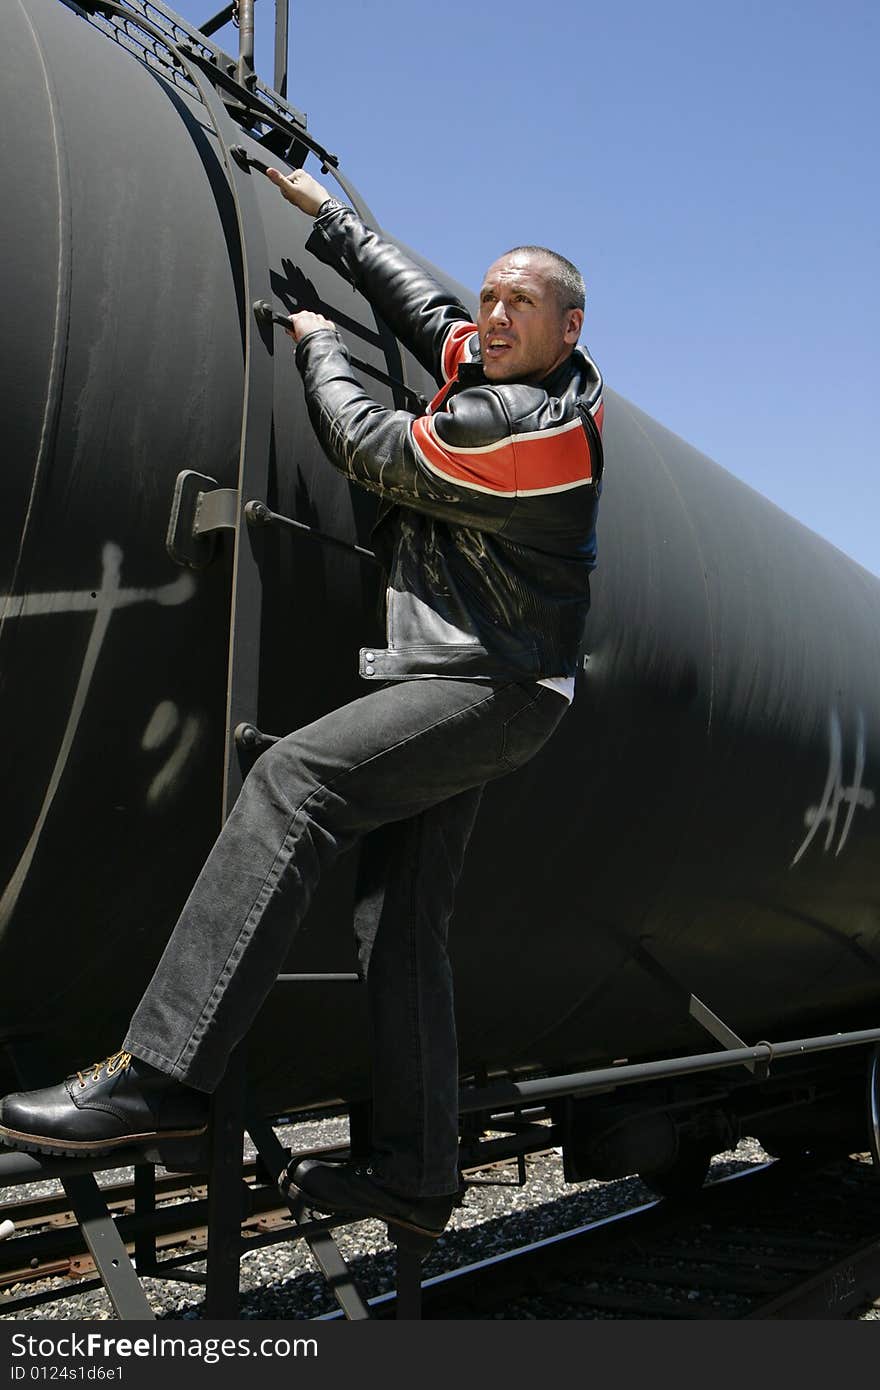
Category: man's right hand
<point>305,322</point>
<point>300,189</point>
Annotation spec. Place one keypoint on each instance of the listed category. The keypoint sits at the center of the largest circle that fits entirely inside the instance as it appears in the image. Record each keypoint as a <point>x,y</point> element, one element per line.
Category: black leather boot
<point>109,1105</point>
<point>351,1189</point>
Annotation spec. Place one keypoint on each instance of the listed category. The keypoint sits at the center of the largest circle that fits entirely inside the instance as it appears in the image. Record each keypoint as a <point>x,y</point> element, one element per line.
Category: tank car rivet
<point>370,656</point>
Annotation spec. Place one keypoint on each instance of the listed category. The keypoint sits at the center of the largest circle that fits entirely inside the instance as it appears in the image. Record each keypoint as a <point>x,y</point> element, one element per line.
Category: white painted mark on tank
<point>179,591</point>
<point>835,794</point>
<point>163,725</point>
<point>103,602</point>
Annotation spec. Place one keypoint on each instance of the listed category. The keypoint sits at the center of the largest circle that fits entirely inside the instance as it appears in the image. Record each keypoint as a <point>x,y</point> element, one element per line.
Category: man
<point>488,532</point>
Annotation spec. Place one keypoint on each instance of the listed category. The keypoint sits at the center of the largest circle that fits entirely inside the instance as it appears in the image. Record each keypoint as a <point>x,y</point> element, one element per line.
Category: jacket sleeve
<point>468,463</point>
<point>416,462</point>
<point>420,311</point>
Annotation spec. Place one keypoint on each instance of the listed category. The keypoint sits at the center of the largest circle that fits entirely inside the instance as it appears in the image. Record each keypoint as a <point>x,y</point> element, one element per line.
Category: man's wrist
<point>330,204</point>
<point>313,333</point>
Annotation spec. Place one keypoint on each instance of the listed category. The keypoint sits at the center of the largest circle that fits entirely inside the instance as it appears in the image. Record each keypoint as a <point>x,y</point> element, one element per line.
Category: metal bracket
<point>215,511</point>
<point>199,509</point>
<point>252,739</point>
<point>316,1234</point>
<point>697,1010</point>
<point>716,1027</point>
<point>107,1250</point>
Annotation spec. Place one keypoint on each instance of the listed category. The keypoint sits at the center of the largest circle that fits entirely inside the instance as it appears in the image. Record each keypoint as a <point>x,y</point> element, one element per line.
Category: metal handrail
<point>507,1092</point>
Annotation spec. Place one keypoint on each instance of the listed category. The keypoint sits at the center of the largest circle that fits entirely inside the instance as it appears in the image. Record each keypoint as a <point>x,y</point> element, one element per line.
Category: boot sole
<point>84,1148</point>
<point>294,1193</point>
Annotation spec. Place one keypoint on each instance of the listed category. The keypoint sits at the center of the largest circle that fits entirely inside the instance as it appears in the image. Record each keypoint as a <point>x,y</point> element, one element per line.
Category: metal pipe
<point>217,21</point>
<point>246,74</point>
<point>317,979</point>
<point>505,1093</point>
<point>281,20</point>
<point>21,1167</point>
<point>257,513</point>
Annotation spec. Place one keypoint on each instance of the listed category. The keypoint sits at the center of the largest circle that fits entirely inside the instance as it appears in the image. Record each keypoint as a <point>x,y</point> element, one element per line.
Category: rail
<point>575,1084</point>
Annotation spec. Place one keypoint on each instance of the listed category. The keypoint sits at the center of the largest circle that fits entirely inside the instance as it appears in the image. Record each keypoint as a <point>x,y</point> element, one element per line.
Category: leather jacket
<point>488,532</point>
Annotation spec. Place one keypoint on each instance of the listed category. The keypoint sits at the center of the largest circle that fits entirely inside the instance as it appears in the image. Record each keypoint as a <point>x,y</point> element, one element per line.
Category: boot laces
<point>117,1061</point>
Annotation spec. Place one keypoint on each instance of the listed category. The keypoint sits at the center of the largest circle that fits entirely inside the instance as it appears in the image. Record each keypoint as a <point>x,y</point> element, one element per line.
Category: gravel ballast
<point>281,1282</point>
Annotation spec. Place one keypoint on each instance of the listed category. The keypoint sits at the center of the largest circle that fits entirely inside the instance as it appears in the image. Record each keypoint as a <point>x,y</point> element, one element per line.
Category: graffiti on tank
<point>839,803</point>
<point>109,598</point>
<point>163,729</point>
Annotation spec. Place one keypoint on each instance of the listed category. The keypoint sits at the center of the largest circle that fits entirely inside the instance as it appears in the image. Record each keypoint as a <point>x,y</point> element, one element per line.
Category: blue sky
<point>711,168</point>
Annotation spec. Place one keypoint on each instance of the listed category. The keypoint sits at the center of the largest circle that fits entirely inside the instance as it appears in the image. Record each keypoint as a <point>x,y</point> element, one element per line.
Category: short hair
<point>565,277</point>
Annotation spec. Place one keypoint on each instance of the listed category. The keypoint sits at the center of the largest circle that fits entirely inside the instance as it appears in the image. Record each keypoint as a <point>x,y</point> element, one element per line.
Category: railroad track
<point>48,1244</point>
<point>776,1242</point>
<point>763,1244</point>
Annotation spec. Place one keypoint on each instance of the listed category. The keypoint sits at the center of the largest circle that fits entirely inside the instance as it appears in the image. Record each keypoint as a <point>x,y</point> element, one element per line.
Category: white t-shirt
<point>564,684</point>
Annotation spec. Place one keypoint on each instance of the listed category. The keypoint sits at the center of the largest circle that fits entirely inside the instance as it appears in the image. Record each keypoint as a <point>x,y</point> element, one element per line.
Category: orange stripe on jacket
<point>546,461</point>
<point>553,459</point>
<point>453,347</point>
<point>489,470</point>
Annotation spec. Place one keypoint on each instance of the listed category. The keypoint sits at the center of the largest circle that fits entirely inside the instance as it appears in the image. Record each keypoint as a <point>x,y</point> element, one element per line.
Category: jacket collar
<point>576,371</point>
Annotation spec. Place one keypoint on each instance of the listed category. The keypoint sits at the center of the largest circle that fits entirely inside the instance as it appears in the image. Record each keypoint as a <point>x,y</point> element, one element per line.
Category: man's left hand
<point>301,189</point>
<point>307,322</point>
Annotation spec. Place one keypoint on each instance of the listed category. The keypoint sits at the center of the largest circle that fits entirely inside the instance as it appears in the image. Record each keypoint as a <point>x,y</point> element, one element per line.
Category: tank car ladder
<point>200,509</point>
<point>411,1248</point>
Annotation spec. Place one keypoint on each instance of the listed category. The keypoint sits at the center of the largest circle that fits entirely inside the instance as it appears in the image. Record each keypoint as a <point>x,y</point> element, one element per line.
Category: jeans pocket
<point>529,728</point>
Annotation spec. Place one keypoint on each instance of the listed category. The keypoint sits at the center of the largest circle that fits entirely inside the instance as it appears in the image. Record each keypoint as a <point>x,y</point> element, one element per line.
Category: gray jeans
<point>405,766</point>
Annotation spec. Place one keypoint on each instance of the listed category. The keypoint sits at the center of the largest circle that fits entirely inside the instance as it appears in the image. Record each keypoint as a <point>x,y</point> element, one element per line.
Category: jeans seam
<point>507,723</point>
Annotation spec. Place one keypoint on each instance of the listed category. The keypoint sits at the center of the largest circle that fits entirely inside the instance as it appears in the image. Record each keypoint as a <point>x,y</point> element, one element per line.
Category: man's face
<point>524,332</point>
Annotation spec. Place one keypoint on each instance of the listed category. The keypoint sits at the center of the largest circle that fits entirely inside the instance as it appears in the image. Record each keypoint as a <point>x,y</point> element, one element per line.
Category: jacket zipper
<point>594,443</point>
